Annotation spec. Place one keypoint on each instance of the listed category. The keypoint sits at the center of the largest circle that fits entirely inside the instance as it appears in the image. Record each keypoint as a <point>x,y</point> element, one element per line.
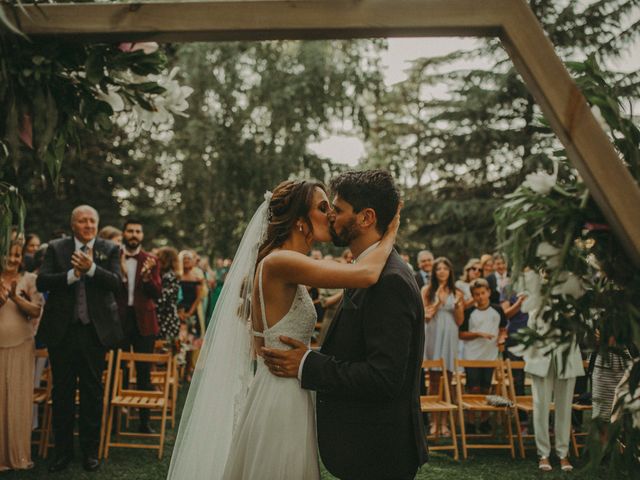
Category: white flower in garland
<point>174,99</point>
<point>549,253</point>
<point>112,98</point>
<point>571,285</point>
<point>542,182</point>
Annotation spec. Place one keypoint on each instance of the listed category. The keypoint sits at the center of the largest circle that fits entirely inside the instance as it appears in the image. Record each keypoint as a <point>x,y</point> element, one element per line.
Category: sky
<point>396,60</point>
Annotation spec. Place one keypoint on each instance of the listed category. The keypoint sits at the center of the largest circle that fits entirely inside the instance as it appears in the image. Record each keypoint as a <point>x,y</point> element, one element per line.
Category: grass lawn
<point>132,464</point>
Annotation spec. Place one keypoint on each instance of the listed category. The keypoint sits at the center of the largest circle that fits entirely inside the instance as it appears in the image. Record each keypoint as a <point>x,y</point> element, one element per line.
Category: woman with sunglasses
<point>472,270</point>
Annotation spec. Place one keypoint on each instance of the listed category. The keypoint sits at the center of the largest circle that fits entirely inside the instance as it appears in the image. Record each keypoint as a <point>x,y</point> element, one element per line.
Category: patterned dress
<point>167,307</point>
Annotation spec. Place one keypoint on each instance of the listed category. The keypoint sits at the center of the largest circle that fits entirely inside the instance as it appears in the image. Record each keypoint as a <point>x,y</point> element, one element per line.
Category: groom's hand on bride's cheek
<point>285,363</point>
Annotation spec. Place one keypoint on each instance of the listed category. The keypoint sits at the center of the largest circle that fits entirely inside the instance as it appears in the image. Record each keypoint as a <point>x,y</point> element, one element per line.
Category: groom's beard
<point>346,236</point>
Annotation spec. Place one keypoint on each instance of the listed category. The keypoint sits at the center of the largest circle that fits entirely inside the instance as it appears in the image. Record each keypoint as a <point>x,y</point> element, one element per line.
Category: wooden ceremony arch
<point>564,106</point>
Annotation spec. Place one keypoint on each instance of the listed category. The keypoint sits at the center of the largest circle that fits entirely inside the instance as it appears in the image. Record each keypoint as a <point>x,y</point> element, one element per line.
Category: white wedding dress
<point>275,438</point>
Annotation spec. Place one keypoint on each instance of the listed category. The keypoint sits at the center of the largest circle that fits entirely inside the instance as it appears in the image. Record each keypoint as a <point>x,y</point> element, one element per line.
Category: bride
<point>237,425</point>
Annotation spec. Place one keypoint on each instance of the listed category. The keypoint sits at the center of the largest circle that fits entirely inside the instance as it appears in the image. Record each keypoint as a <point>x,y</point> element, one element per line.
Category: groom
<point>367,374</point>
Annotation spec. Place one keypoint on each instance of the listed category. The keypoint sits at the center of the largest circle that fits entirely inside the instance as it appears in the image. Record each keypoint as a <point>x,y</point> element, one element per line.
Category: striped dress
<point>607,373</point>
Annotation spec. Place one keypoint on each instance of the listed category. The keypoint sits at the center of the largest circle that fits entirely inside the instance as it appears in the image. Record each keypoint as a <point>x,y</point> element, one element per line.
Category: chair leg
<point>107,441</point>
<point>162,428</point>
<point>510,433</point>
<point>463,433</point>
<point>574,443</point>
<point>519,432</point>
<point>454,440</point>
<point>47,443</point>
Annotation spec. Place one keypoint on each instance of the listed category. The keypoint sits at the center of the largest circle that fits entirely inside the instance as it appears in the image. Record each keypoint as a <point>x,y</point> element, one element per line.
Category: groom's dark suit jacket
<point>367,378</point>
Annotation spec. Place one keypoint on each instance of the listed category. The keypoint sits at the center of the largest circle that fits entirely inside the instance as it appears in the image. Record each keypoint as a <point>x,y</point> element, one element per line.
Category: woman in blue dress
<point>444,313</point>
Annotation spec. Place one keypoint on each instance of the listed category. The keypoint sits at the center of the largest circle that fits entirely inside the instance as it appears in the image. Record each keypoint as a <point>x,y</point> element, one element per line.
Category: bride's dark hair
<point>291,200</point>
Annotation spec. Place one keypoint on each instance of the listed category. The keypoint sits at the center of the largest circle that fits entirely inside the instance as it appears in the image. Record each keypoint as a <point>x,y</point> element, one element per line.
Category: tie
<point>81,310</point>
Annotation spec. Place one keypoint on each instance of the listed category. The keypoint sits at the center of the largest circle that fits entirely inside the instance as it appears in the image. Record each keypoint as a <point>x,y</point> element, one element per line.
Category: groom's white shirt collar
<point>367,251</point>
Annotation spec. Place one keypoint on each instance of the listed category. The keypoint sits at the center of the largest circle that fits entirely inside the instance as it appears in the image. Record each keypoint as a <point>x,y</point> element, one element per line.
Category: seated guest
<point>481,330</point>
<point>20,309</point>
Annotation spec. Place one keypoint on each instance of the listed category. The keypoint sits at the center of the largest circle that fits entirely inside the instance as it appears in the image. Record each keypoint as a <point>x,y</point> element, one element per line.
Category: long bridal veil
<point>224,369</point>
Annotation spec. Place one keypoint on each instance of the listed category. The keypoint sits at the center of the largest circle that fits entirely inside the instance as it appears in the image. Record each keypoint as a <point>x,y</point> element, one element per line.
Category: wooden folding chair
<point>149,399</point>
<point>575,436</point>
<point>440,403</point>
<point>42,400</point>
<point>477,403</point>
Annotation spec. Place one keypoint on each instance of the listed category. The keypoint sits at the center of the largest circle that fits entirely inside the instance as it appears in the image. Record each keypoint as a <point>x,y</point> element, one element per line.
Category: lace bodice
<point>297,323</point>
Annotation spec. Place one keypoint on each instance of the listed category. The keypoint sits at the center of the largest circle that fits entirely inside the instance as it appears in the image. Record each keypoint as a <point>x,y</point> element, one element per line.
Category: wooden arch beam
<point>564,106</point>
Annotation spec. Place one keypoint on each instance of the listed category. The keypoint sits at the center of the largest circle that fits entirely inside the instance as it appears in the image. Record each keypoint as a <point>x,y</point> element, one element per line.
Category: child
<point>484,326</point>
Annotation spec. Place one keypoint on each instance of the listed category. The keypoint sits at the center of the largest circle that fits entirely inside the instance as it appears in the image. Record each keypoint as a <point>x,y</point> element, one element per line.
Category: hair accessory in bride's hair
<point>267,197</point>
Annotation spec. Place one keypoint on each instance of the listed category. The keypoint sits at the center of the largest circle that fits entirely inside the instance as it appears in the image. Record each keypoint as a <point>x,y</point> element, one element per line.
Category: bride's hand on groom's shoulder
<point>393,227</point>
<point>285,363</point>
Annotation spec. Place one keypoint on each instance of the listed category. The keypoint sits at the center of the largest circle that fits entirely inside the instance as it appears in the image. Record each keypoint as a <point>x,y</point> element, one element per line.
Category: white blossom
<point>549,253</point>
<point>112,98</point>
<point>571,285</point>
<point>542,182</point>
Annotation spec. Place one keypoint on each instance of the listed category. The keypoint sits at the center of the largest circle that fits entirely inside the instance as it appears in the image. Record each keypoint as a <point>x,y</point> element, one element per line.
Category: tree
<point>459,155</point>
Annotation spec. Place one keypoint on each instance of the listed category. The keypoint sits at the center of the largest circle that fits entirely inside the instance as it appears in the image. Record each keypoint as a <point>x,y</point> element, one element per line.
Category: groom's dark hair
<point>369,189</point>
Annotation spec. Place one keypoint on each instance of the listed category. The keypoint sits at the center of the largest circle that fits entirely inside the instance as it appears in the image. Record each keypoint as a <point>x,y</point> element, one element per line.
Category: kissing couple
<point>251,412</point>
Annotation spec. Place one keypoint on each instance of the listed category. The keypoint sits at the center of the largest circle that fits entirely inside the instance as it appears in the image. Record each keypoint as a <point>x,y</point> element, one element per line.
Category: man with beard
<point>141,287</point>
<point>367,374</point>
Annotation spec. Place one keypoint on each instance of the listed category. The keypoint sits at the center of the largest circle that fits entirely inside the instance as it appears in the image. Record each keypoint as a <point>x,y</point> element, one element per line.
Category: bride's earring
<point>300,228</point>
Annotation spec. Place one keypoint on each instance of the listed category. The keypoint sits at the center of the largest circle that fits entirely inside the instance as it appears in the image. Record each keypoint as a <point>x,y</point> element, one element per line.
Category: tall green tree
<point>458,155</point>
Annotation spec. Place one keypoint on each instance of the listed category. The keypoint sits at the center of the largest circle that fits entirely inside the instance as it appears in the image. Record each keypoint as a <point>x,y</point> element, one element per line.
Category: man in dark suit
<point>367,374</point>
<point>141,287</point>
<point>425,266</point>
<point>80,321</point>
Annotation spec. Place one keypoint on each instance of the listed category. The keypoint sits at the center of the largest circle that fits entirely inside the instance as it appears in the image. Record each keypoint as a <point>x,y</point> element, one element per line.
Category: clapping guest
<point>80,321</point>
<point>141,287</point>
<point>444,313</point>
<point>20,309</point>
<point>498,279</point>
<point>167,304</point>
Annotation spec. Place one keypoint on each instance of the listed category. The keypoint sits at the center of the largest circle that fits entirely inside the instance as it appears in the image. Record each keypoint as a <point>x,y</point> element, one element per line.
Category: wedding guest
<point>483,326</point>
<point>486,262</point>
<point>347,256</point>
<point>112,234</point>
<point>191,290</point>
<point>210,281</point>
<point>609,368</point>
<point>221,273</point>
<point>407,260</point>
<point>20,309</point>
<point>517,319</point>
<point>472,270</point>
<point>31,245</point>
<point>554,376</point>
<point>141,287</point>
<point>498,279</point>
<point>444,313</point>
<point>167,304</point>
<point>425,267</point>
<point>80,321</point>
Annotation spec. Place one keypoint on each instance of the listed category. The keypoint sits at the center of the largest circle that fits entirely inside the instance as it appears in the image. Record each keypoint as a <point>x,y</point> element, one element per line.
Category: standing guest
<point>482,329</point>
<point>472,270</point>
<point>554,376</point>
<point>511,305</point>
<point>20,309</point>
<point>191,288</point>
<point>210,280</point>
<point>112,234</point>
<point>486,262</point>
<point>425,267</point>
<point>498,279</point>
<point>80,321</point>
<point>31,245</point>
<point>406,259</point>
<point>221,273</point>
<point>444,313</point>
<point>141,287</point>
<point>167,304</point>
<point>608,370</point>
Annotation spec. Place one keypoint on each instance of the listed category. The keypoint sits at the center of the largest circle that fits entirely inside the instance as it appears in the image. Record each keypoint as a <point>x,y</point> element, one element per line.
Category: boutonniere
<point>101,256</point>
